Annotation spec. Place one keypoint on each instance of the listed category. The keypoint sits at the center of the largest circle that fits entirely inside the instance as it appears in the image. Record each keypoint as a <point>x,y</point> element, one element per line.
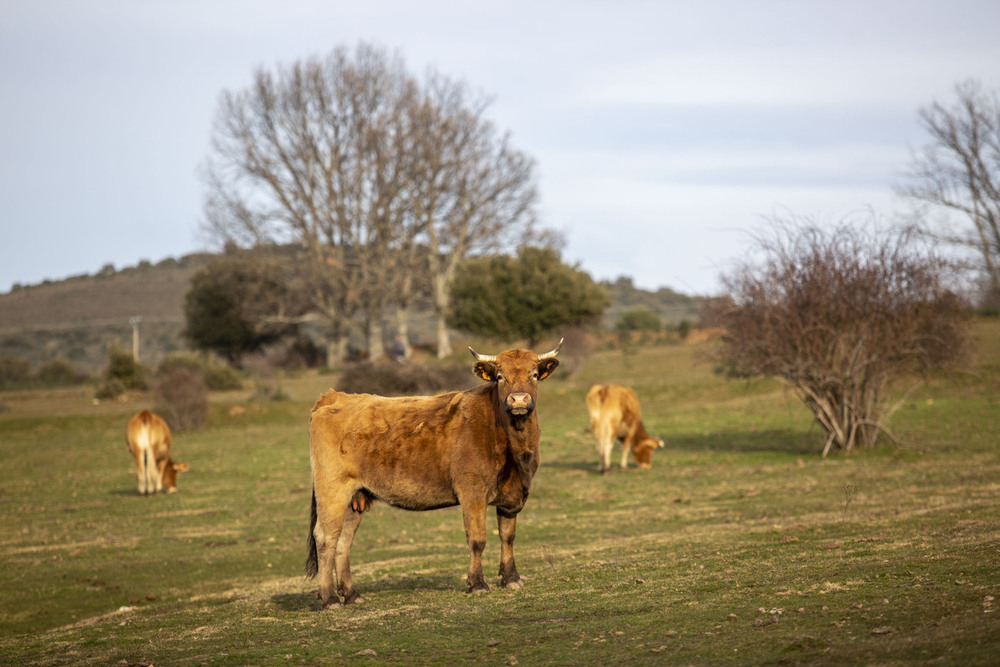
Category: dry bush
<point>393,379</point>
<point>217,374</point>
<point>837,313</point>
<point>182,398</point>
<point>578,345</point>
<point>14,371</point>
<point>59,372</point>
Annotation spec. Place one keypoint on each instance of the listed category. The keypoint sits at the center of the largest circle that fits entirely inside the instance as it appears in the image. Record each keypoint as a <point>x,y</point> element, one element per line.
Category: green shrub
<point>639,318</point>
<point>684,329</point>
<point>123,374</point>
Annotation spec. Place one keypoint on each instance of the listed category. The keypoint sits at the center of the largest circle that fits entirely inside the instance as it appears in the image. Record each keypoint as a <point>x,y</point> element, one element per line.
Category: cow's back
<point>614,402</point>
<point>628,403</point>
<point>399,448</point>
<point>146,430</point>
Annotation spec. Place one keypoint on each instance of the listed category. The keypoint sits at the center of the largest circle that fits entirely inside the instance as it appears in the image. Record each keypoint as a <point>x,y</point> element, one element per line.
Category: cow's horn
<point>554,352</point>
<point>482,357</point>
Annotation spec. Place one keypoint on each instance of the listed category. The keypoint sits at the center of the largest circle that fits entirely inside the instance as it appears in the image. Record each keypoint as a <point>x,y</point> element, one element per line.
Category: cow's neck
<point>521,433</point>
<point>640,432</point>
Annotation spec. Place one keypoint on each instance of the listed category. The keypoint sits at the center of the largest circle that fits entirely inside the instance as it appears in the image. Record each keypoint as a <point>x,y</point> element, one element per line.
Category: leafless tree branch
<point>838,313</point>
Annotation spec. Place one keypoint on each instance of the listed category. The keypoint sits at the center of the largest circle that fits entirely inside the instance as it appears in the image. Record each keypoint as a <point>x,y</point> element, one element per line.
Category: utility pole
<point>134,321</point>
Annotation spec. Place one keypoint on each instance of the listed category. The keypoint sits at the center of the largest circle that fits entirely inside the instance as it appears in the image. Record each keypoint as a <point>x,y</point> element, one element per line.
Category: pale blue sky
<point>663,131</point>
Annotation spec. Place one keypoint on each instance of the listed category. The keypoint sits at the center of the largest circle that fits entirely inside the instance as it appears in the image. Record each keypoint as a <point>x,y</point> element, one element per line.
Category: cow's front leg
<point>507,523</point>
<point>625,451</point>
<point>161,469</point>
<point>474,518</point>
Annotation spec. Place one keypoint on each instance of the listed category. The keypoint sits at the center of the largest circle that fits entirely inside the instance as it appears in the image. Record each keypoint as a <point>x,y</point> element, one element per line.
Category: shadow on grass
<point>748,442</point>
<point>309,601</point>
<point>572,464</point>
<point>775,441</point>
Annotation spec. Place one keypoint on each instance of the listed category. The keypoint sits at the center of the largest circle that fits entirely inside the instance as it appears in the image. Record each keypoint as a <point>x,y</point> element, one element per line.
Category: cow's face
<point>170,475</point>
<point>643,451</point>
<point>516,374</point>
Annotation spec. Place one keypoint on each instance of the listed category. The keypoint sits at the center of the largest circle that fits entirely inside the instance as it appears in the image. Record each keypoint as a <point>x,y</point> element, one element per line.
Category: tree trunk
<point>443,340</point>
<point>403,324</point>
<point>334,352</point>
<point>376,347</point>
<point>442,299</point>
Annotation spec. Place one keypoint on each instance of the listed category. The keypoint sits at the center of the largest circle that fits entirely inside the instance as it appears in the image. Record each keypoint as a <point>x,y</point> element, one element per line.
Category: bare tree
<point>351,158</point>
<point>472,191</point>
<point>959,171</point>
<point>838,313</point>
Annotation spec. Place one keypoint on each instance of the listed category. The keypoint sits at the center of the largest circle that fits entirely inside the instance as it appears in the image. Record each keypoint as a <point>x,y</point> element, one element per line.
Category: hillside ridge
<point>77,318</point>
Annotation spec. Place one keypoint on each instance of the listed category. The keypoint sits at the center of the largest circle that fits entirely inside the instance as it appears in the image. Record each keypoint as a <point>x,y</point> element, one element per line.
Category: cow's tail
<point>312,561</point>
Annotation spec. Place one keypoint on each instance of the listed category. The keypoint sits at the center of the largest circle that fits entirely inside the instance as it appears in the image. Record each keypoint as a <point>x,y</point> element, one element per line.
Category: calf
<point>615,413</point>
<point>148,438</point>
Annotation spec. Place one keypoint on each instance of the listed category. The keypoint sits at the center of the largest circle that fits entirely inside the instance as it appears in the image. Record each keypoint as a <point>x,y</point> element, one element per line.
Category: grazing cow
<point>148,438</point>
<point>471,448</point>
<point>615,413</point>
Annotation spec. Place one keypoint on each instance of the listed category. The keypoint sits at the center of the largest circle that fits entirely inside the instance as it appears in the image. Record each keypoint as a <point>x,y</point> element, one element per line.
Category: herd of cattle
<point>472,448</point>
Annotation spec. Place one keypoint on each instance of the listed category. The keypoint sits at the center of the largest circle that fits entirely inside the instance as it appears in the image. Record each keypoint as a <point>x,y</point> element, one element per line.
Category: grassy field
<point>741,545</point>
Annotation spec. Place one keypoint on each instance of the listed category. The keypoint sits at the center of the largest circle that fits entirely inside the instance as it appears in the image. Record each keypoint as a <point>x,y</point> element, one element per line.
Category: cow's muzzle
<point>520,404</point>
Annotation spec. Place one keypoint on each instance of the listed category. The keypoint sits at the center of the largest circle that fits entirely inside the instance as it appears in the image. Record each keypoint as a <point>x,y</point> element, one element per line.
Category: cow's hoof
<point>477,588</point>
<point>353,598</point>
<point>333,603</point>
<point>513,584</point>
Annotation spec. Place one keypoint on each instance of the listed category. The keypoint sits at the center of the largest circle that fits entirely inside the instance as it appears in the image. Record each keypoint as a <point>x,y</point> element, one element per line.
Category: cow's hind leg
<point>345,582</point>
<point>605,441</point>
<point>507,524</point>
<point>147,472</point>
<point>140,468</point>
<point>331,510</point>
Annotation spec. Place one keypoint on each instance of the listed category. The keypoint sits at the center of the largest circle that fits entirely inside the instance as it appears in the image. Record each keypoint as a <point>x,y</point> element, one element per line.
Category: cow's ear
<point>545,367</point>
<point>485,370</point>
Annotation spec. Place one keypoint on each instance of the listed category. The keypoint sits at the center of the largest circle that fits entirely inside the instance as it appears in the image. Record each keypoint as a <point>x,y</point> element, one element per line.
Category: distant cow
<point>148,438</point>
<point>472,448</point>
<point>615,413</point>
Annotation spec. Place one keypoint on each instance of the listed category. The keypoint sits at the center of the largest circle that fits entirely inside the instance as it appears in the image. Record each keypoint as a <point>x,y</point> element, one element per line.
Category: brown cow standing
<point>148,438</point>
<point>615,413</point>
<point>472,448</point>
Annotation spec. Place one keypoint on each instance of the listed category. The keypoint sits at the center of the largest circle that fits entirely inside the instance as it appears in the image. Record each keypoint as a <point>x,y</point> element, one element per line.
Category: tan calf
<point>615,413</point>
<point>148,438</point>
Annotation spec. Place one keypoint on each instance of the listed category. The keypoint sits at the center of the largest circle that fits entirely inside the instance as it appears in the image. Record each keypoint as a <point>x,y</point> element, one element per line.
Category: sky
<point>664,132</point>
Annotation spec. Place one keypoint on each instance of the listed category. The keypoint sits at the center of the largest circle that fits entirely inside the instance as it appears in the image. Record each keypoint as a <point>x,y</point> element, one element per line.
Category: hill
<point>79,317</point>
<point>672,307</point>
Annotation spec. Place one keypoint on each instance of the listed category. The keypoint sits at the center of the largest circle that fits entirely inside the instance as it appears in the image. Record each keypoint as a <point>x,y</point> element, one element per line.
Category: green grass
<point>741,545</point>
